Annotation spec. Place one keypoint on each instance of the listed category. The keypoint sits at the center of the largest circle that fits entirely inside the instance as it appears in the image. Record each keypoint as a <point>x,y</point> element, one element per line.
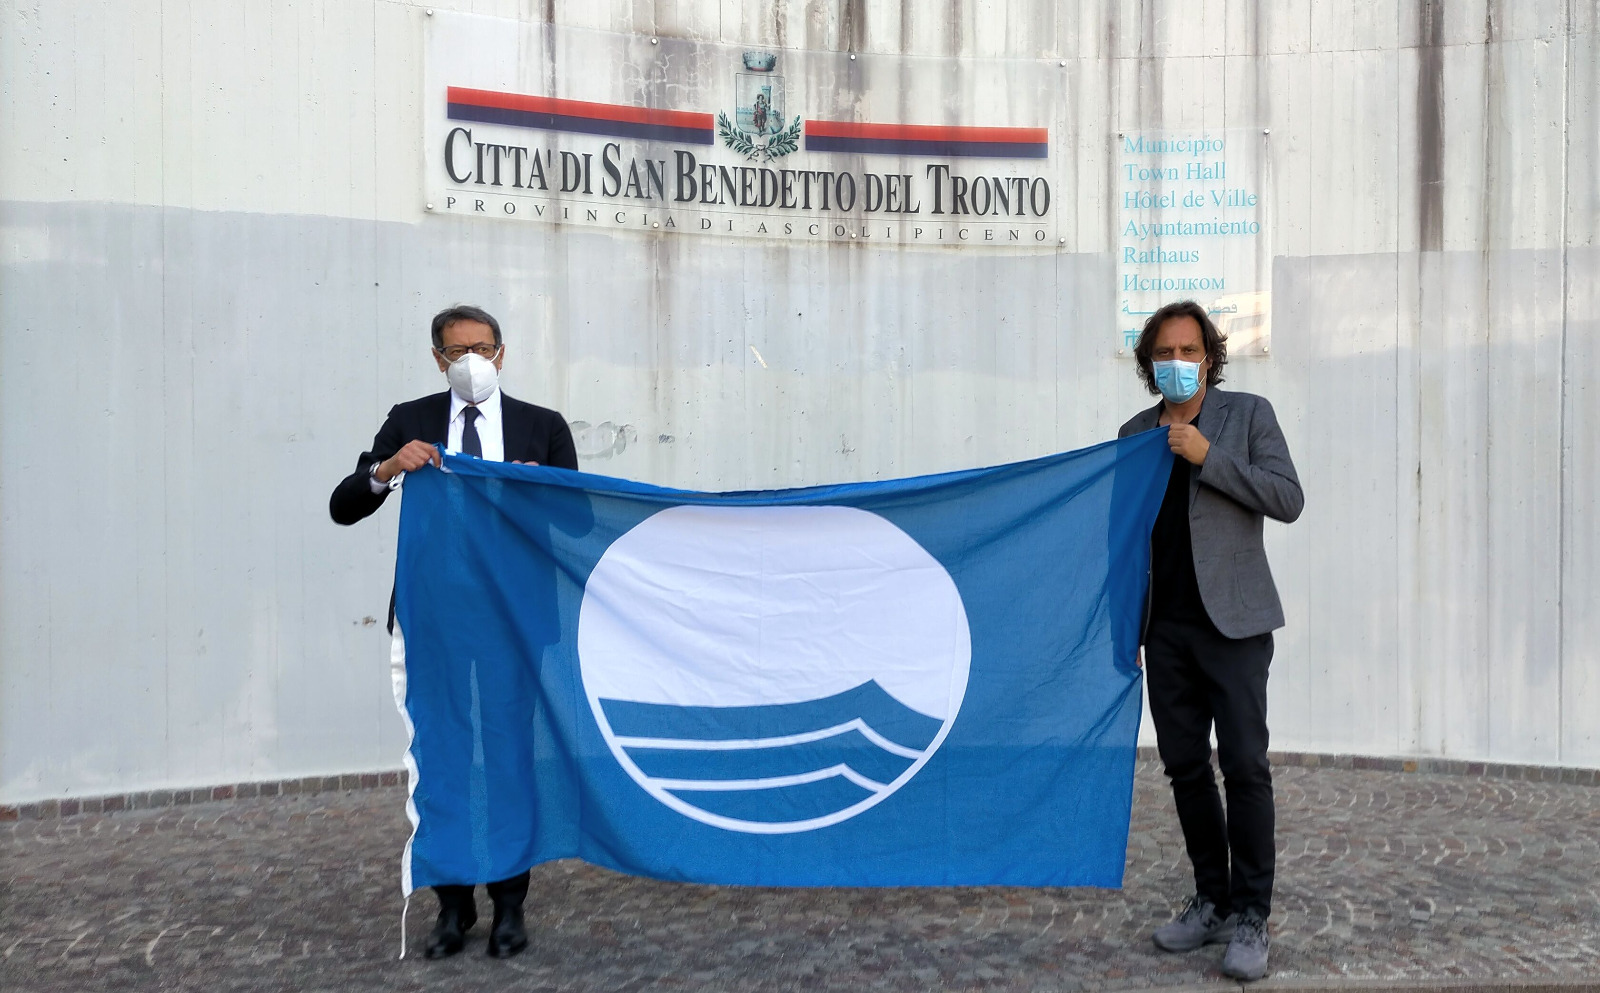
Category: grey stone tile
<point>1398,876</point>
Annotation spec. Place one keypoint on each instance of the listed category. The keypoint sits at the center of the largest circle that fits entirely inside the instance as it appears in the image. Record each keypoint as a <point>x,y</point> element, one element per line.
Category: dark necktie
<point>469,432</point>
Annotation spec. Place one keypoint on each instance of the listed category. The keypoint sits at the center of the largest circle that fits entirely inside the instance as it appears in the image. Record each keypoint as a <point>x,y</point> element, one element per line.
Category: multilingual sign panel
<point>1192,222</point>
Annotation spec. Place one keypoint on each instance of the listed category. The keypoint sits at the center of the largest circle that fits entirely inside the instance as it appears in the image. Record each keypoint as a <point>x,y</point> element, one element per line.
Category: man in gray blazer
<point>1210,614</point>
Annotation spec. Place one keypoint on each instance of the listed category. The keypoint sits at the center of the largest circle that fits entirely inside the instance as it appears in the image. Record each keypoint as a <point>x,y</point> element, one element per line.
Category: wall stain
<point>1495,207</point>
<point>853,26</point>
<point>602,441</point>
<point>816,24</point>
<point>1430,126</point>
<point>780,23</point>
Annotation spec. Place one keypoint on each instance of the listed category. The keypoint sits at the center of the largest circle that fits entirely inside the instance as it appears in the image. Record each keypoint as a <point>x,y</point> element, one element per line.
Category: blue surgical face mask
<point>1177,380</point>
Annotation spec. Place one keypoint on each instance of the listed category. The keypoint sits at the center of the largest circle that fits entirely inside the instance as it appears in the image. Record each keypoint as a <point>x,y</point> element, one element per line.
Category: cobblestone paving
<point>1382,876</point>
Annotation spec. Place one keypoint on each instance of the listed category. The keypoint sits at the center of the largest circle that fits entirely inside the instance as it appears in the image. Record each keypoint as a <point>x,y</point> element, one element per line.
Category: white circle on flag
<point>772,669</point>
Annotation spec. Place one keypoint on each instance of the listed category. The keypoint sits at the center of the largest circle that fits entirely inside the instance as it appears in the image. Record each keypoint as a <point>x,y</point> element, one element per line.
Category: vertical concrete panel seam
<point>1401,689</point>
<point>1564,496</point>
<point>1486,618</point>
<point>377,157</point>
<point>166,455</point>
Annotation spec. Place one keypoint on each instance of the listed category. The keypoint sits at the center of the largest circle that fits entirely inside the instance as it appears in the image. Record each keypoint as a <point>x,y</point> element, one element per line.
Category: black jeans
<point>506,892</point>
<point>1199,678</point>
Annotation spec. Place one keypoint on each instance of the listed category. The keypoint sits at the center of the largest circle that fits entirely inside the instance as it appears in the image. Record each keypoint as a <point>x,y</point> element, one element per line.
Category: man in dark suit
<point>476,418</point>
<point>1210,615</point>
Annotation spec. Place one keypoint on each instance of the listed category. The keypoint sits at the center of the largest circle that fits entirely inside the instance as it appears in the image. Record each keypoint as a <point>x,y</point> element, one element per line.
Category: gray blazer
<point>1247,475</point>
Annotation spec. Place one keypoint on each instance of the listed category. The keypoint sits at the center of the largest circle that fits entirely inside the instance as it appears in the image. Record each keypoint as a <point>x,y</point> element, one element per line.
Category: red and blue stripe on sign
<point>929,140</point>
<point>579,116</point>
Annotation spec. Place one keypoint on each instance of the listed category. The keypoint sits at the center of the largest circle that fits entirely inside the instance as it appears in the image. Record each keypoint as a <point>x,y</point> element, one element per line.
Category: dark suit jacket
<point>1247,476</point>
<point>532,434</point>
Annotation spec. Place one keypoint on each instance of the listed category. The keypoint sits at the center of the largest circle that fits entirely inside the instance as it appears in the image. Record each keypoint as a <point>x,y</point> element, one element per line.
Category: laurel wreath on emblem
<point>775,147</point>
<point>784,141</point>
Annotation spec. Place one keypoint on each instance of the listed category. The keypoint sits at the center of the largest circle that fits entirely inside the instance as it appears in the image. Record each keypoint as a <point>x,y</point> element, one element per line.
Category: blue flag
<point>925,681</point>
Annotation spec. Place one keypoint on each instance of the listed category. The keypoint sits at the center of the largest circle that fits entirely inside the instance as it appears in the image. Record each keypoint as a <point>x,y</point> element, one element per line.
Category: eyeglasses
<point>453,353</point>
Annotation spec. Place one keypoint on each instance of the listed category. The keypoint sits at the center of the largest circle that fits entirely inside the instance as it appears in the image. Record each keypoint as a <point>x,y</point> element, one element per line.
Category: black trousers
<point>1199,679</point>
<point>507,892</point>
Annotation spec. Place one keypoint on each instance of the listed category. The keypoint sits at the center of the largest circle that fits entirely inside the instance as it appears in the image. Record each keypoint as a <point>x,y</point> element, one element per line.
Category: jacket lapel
<point>435,427</point>
<point>515,428</point>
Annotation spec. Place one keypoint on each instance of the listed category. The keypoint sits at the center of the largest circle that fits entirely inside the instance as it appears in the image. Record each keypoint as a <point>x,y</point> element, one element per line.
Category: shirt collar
<point>490,408</point>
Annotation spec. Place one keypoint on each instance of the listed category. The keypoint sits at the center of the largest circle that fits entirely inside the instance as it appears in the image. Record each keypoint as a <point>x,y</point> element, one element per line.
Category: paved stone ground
<point>1452,880</point>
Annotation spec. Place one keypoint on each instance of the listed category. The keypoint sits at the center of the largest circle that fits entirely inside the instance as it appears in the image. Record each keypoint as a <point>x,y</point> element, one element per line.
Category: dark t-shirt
<point>1174,591</point>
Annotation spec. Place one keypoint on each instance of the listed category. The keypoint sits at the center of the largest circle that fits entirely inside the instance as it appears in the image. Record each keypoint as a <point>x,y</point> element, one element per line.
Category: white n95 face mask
<point>472,378</point>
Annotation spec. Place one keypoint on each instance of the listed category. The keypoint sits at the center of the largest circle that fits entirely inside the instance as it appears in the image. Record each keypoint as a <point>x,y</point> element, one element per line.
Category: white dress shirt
<point>491,434</point>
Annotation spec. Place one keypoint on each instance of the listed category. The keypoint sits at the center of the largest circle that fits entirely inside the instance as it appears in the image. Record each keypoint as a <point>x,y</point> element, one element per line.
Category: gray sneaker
<point>1246,957</point>
<point>1197,924</point>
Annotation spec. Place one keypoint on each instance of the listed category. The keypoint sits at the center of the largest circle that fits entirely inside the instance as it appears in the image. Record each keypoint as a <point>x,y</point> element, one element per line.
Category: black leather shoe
<point>450,932</point>
<point>508,936</point>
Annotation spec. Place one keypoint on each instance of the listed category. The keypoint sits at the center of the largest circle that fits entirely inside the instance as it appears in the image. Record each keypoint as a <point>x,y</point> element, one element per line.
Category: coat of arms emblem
<point>757,130</point>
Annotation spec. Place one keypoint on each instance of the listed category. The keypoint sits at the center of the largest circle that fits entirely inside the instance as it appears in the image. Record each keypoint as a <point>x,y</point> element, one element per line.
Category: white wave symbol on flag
<point>786,764</point>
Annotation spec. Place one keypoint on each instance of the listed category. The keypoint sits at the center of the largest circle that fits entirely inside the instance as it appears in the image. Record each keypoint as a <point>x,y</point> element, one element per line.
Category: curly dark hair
<point>462,312</point>
<point>1216,345</point>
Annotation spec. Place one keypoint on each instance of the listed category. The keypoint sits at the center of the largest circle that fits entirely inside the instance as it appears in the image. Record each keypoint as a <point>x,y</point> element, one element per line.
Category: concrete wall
<point>215,273</point>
